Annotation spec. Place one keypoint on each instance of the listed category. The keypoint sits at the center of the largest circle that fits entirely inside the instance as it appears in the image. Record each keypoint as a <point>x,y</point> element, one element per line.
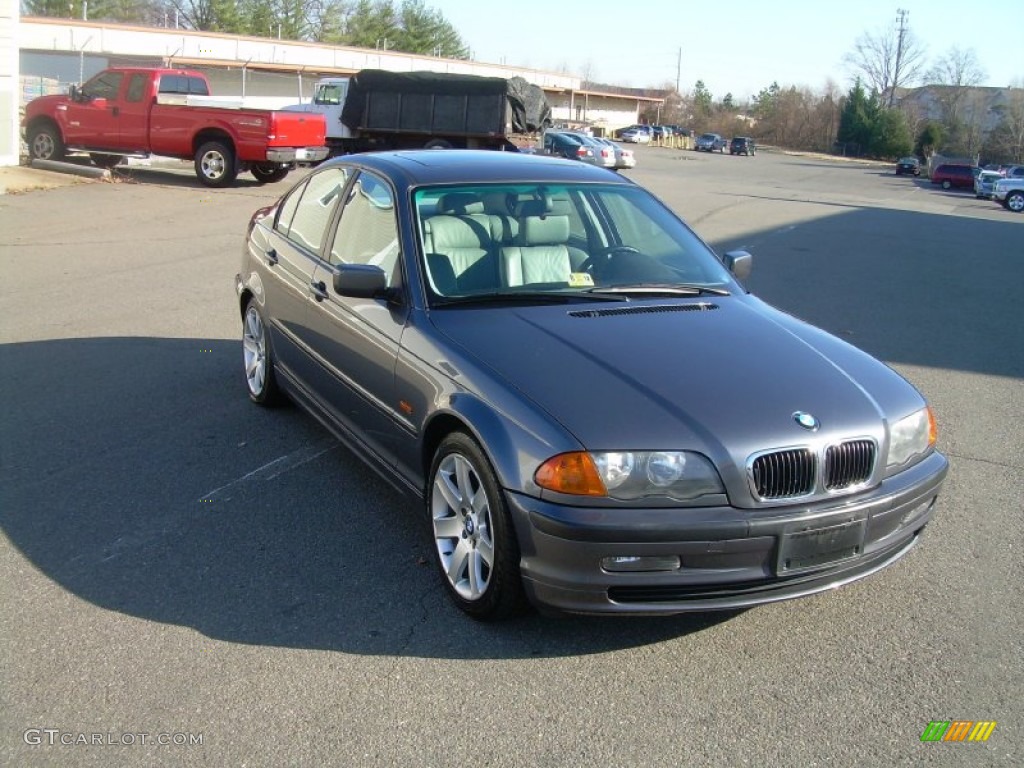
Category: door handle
<point>271,255</point>
<point>319,290</point>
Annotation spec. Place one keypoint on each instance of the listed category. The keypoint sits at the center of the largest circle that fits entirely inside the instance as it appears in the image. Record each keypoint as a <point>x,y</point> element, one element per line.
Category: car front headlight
<point>911,437</point>
<point>630,475</point>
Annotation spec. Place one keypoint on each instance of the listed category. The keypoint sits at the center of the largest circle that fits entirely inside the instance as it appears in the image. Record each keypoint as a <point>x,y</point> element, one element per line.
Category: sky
<point>739,48</point>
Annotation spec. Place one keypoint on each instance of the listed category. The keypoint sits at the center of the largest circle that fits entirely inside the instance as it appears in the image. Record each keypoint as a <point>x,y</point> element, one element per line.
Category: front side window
<point>106,85</point>
<point>329,95</point>
<point>368,230</point>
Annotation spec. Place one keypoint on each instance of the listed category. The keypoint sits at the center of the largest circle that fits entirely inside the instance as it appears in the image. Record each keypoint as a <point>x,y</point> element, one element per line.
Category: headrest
<point>447,232</point>
<point>544,230</point>
<point>534,207</point>
<point>460,203</point>
<point>500,203</point>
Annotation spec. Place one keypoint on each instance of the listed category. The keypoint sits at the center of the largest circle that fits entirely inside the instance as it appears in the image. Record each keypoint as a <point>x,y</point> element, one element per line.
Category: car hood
<point>725,375</point>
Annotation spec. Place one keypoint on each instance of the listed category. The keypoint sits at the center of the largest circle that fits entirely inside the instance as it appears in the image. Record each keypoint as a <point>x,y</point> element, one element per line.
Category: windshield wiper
<point>545,297</point>
<point>659,289</point>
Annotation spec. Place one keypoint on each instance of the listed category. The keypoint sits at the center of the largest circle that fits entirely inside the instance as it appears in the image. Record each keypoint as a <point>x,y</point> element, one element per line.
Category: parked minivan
<point>954,176</point>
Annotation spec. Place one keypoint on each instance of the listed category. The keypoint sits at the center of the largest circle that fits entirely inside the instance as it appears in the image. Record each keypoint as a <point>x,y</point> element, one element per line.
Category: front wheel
<point>1015,202</point>
<point>946,184</point>
<point>268,173</point>
<point>45,143</point>
<point>215,164</point>
<point>474,540</point>
<point>258,359</point>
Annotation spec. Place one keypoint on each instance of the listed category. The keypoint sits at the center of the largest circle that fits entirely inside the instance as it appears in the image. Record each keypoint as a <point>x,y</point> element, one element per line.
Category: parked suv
<point>741,145</point>
<point>709,142</point>
<point>954,176</point>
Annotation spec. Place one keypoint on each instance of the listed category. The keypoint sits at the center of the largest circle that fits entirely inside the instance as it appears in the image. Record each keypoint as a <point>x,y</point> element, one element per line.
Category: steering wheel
<point>595,263</point>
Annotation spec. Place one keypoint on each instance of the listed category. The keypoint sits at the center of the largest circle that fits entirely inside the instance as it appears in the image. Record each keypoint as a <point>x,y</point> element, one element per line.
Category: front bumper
<point>297,154</point>
<point>728,558</point>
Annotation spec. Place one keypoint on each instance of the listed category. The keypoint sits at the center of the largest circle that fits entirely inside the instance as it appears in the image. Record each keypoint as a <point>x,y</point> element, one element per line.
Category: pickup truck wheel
<point>268,173</point>
<point>105,161</point>
<point>1015,202</point>
<point>215,164</point>
<point>44,143</point>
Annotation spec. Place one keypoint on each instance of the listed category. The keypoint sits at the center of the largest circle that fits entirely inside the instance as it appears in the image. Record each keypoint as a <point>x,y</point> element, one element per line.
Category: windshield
<point>571,240</point>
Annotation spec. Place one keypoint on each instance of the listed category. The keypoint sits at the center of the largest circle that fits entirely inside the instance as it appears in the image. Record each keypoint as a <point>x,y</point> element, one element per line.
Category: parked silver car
<point>624,158</point>
<point>584,402</point>
<point>603,153</point>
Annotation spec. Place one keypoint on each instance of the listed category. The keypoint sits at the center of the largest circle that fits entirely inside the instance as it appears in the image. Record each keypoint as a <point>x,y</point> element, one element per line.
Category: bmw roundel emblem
<point>806,421</point>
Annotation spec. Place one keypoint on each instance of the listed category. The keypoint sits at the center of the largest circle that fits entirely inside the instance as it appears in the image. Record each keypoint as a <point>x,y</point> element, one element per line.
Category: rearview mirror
<point>739,263</point>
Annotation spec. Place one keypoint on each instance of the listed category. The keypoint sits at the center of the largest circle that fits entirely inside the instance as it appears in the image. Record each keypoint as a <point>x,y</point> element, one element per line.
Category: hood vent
<point>702,306</point>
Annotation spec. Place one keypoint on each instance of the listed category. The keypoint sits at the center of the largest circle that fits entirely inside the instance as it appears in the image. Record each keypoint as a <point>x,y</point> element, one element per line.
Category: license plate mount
<point>810,549</point>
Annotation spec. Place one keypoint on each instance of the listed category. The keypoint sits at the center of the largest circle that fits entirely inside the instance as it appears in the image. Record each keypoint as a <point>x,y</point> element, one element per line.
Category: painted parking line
<point>272,469</point>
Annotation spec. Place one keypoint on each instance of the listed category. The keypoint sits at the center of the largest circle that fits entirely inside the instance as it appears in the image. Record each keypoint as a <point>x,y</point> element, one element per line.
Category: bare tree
<point>956,73</point>
<point>888,58</point>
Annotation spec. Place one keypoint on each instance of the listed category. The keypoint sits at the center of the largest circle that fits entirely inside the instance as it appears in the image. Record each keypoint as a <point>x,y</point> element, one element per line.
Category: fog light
<point>633,564</point>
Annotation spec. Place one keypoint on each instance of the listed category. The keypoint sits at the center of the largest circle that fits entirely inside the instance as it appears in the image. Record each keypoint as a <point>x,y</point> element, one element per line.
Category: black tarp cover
<point>439,102</point>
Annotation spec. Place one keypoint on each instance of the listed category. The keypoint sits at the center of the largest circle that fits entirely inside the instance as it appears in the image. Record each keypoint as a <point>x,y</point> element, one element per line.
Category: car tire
<point>946,184</point>
<point>45,143</point>
<point>438,144</point>
<point>258,359</point>
<point>268,173</point>
<point>215,164</point>
<point>475,544</point>
<point>1015,202</point>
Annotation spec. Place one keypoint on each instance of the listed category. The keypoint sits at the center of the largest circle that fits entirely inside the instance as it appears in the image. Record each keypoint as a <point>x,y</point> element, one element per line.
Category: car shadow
<point>146,483</point>
<point>928,304</point>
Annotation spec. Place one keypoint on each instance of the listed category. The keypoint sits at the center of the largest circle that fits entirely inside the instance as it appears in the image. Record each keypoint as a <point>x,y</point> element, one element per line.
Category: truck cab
<point>328,100</point>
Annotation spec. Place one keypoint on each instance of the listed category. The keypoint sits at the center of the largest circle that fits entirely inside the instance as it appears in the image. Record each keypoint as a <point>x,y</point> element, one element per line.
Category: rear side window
<point>307,226</point>
<point>137,87</point>
<point>184,84</point>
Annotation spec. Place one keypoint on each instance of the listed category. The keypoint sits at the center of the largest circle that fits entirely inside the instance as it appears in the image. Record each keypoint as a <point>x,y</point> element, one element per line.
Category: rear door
<point>133,128</point>
<point>289,252</point>
<point>357,340</point>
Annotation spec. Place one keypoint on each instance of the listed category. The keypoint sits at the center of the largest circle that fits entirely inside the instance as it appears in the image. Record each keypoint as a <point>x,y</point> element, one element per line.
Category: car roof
<point>446,166</point>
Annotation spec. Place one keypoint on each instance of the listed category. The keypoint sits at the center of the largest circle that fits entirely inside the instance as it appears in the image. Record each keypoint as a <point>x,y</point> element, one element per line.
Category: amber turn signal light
<point>572,473</point>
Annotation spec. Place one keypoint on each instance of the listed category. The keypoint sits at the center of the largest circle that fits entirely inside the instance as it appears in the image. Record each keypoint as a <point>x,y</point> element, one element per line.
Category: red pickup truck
<point>126,111</point>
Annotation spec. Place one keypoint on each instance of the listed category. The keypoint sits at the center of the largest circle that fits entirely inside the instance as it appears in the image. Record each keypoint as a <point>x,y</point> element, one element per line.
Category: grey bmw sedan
<point>591,411</point>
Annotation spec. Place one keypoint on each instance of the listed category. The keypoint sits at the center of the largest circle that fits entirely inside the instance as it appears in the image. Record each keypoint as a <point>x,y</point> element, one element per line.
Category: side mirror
<point>361,281</point>
<point>74,94</point>
<point>739,263</point>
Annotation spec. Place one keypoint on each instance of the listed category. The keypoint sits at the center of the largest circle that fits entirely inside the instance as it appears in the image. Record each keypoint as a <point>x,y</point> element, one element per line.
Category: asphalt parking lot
<point>179,566</point>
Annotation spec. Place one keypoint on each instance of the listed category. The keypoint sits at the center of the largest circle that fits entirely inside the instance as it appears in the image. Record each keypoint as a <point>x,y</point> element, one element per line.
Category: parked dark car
<point>569,146</point>
<point>742,145</point>
<point>959,176</point>
<point>908,165</point>
<point>585,402</point>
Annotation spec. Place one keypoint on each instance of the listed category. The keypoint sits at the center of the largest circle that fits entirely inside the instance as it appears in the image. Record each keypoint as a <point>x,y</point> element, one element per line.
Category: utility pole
<point>902,14</point>
<point>679,67</point>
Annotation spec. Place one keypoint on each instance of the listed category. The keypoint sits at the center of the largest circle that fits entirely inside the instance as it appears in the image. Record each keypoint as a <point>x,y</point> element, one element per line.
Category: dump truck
<point>376,109</point>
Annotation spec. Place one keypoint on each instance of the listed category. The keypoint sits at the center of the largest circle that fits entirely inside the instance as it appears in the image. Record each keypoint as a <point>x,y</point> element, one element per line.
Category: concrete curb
<point>77,170</point>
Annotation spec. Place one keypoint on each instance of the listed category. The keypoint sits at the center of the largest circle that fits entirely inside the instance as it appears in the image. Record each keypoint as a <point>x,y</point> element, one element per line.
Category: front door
<point>93,119</point>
